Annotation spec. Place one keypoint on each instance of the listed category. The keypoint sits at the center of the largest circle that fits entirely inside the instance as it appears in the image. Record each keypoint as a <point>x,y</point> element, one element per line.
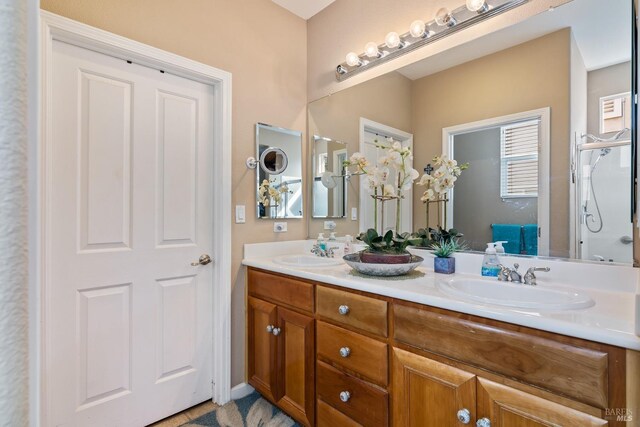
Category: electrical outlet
<point>329,225</point>
<point>279,227</point>
<point>354,214</point>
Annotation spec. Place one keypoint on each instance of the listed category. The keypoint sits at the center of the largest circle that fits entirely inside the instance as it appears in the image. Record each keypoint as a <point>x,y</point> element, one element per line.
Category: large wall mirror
<point>279,172</point>
<point>542,113</point>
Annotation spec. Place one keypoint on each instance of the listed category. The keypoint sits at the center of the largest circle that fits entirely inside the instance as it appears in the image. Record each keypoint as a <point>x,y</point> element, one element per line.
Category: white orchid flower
<point>389,190</point>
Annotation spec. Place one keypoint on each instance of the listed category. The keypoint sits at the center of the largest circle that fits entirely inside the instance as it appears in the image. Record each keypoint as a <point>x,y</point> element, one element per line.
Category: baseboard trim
<point>241,390</point>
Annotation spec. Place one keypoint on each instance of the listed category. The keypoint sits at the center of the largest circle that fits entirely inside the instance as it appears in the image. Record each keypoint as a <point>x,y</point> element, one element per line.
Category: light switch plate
<point>241,216</point>
<point>279,227</point>
<point>354,214</point>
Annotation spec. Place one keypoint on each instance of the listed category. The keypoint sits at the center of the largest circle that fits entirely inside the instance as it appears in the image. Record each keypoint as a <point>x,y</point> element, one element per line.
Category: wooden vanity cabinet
<point>282,343</point>
<point>407,364</point>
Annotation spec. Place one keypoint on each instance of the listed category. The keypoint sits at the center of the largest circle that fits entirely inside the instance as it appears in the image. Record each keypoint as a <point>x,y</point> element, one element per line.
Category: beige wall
<point>532,75</point>
<point>385,99</point>
<point>265,48</point>
<point>347,25</point>
<point>603,82</point>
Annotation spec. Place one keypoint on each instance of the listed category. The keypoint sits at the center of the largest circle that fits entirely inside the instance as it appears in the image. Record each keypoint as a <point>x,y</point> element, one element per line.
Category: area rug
<point>250,411</point>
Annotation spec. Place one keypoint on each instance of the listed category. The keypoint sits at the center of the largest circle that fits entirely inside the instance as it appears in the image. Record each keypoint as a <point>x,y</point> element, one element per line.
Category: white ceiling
<point>305,9</point>
<point>602,31</point>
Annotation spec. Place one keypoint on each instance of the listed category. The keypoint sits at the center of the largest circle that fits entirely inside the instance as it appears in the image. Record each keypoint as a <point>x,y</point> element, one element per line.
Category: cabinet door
<point>508,407</point>
<point>262,349</point>
<point>296,365</point>
<point>427,393</point>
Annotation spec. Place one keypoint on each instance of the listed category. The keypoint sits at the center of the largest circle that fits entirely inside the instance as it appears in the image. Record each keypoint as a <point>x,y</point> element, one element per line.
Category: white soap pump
<point>490,261</point>
<point>499,247</point>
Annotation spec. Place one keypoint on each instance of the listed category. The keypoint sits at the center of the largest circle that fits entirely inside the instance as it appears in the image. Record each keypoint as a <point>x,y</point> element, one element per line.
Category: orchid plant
<point>267,192</point>
<point>383,185</point>
<point>439,182</point>
<point>442,179</point>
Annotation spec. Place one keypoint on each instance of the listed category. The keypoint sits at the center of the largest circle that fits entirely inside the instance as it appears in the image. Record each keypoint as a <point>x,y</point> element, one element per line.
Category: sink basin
<point>515,295</point>
<point>306,261</point>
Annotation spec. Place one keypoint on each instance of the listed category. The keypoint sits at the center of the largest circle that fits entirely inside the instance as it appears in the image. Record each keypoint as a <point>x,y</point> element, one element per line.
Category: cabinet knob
<point>464,416</point>
<point>276,331</point>
<point>269,329</point>
<point>345,351</point>
<point>343,309</point>
<point>345,396</point>
<point>483,422</point>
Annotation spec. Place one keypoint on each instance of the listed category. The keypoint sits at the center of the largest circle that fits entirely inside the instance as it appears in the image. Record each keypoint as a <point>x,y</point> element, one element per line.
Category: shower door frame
<point>576,229</point>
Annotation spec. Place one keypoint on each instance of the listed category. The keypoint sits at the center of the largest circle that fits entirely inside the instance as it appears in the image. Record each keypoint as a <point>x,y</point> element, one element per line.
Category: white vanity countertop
<point>612,320</point>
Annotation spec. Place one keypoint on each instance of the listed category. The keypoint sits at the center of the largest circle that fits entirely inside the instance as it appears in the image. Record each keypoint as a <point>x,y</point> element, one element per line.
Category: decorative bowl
<point>373,269</point>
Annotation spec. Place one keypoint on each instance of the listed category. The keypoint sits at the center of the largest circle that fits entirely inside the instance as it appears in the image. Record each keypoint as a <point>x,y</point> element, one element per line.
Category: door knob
<point>203,260</point>
<point>483,422</point>
<point>345,396</point>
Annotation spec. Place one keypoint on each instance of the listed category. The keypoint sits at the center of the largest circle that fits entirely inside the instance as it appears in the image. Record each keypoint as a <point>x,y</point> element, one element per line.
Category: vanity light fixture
<point>372,51</point>
<point>394,41</point>
<point>479,6</point>
<point>421,33</point>
<point>445,18</point>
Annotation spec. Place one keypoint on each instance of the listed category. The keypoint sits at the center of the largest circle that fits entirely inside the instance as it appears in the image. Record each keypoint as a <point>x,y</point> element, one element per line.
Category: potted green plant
<point>426,238</point>
<point>444,262</point>
<point>389,248</point>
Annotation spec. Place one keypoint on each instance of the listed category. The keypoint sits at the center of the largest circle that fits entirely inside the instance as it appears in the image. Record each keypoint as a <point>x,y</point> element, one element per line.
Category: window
<point>519,145</point>
<point>615,112</point>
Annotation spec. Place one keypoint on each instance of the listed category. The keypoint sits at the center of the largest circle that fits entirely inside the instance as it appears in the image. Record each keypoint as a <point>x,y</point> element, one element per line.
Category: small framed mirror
<point>279,178</point>
<point>329,177</point>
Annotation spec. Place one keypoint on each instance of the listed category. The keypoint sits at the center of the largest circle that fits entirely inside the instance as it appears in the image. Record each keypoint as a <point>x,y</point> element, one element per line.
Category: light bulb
<point>393,40</point>
<point>371,50</point>
<point>477,5</point>
<point>444,17</point>
<point>417,28</point>
<point>353,59</point>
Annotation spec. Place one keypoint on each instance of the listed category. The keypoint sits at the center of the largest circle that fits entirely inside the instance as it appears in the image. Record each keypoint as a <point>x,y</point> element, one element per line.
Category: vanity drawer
<point>331,417</point>
<point>367,404</point>
<point>282,289</point>
<point>366,356</point>
<point>364,313</point>
<point>577,372</point>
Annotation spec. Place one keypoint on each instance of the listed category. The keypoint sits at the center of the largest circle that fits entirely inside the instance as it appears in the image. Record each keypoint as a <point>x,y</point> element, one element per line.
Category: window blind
<point>519,145</point>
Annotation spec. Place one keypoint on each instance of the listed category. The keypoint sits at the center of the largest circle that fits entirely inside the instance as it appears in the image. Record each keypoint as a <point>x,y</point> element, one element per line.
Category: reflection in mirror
<point>279,177</point>
<point>329,190</point>
<point>274,161</point>
<point>540,111</point>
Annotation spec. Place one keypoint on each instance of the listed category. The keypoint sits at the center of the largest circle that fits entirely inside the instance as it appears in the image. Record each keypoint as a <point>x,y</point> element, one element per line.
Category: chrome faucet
<point>318,251</point>
<point>530,277</point>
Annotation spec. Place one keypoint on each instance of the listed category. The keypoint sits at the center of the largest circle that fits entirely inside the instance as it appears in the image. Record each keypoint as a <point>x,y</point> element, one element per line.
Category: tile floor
<point>186,416</point>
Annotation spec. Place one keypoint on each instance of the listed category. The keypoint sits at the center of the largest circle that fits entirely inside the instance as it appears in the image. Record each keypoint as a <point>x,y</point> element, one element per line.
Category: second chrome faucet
<point>513,275</point>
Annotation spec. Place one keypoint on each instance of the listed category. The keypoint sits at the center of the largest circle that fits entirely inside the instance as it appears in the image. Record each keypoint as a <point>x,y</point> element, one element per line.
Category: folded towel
<point>530,233</point>
<point>511,233</point>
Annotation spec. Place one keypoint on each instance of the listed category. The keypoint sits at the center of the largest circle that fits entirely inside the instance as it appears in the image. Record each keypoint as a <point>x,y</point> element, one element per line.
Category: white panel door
<point>128,317</point>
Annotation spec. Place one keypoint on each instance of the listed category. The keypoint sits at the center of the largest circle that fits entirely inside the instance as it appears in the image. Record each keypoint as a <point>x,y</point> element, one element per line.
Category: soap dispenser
<point>322,243</point>
<point>490,261</point>
<point>499,247</point>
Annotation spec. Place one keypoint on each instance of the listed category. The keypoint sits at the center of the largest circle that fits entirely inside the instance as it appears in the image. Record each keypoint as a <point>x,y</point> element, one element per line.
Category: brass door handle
<point>203,260</point>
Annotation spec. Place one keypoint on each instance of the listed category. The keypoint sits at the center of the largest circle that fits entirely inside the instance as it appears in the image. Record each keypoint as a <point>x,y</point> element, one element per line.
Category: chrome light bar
<point>445,23</point>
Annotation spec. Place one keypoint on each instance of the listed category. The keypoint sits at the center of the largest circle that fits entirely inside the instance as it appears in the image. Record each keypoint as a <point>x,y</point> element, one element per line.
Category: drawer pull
<point>269,329</point>
<point>345,351</point>
<point>345,396</point>
<point>483,422</point>
<point>464,416</point>
<point>276,331</point>
<point>343,309</point>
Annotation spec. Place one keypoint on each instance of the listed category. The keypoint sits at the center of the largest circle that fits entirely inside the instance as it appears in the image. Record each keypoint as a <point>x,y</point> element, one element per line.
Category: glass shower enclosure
<point>603,223</point>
